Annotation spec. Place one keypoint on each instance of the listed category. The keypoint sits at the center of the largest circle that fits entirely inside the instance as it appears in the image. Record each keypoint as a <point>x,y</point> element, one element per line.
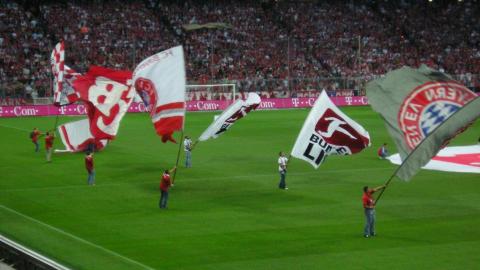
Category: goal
<point>223,91</point>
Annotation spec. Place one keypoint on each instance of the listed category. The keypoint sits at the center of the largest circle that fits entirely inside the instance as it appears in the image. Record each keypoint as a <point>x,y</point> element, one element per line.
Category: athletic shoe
<point>366,236</point>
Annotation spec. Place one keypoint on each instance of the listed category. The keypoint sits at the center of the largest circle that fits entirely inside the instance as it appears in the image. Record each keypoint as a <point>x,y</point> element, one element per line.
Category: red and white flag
<point>68,94</point>
<point>76,136</point>
<point>57,63</point>
<point>160,81</point>
<point>234,112</point>
<point>465,159</point>
<point>107,95</point>
<point>328,131</point>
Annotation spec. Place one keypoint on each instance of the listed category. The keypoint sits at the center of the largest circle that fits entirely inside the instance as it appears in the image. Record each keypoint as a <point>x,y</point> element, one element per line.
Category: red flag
<point>107,95</point>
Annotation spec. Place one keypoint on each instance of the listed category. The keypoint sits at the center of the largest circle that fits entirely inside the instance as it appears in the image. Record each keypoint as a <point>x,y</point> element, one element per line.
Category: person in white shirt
<point>187,144</point>
<point>282,168</point>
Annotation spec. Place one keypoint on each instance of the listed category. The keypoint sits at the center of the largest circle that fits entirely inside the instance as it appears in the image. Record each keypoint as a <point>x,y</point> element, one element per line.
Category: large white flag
<point>76,136</point>
<point>160,81</point>
<point>328,131</point>
<point>237,110</point>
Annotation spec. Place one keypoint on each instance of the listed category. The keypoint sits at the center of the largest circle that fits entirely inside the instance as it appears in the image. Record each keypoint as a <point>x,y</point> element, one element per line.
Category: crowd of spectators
<point>284,48</point>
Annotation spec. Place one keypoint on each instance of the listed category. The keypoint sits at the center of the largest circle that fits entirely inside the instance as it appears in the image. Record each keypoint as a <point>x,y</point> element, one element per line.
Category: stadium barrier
<point>22,257</point>
<point>198,105</point>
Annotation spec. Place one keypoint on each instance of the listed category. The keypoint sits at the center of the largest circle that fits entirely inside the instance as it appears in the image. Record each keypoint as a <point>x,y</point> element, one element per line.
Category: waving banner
<point>423,109</point>
<point>76,136</point>
<point>236,111</point>
<point>160,81</point>
<point>57,63</point>
<point>464,159</point>
<point>328,131</point>
<point>107,95</point>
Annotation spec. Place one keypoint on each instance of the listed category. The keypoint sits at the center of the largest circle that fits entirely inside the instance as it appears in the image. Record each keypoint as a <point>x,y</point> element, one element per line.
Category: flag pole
<point>178,157</point>
<point>387,183</point>
<point>55,125</point>
<point>194,144</point>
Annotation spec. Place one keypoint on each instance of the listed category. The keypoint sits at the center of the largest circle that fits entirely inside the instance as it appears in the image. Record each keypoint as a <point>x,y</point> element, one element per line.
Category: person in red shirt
<point>165,184</point>
<point>34,136</point>
<point>49,145</point>
<point>90,168</point>
<point>369,208</point>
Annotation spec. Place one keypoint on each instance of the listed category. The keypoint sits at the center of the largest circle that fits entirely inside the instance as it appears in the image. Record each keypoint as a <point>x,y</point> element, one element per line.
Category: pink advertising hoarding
<point>206,105</point>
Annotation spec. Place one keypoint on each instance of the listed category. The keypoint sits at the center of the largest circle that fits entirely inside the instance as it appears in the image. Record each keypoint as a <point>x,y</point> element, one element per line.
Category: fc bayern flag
<point>234,112</point>
<point>423,109</point>
<point>57,63</point>
<point>160,81</point>
<point>328,131</point>
<point>107,94</point>
<point>76,136</point>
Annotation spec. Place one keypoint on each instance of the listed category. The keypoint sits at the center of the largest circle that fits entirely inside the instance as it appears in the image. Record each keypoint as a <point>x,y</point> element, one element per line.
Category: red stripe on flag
<point>65,135</point>
<point>170,106</point>
<point>168,125</point>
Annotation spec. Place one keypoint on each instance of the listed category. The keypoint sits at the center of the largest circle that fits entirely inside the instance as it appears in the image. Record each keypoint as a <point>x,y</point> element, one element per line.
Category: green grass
<point>226,212</point>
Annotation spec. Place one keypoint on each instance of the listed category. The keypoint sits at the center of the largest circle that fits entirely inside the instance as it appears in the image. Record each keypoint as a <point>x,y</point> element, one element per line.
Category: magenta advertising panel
<point>199,105</point>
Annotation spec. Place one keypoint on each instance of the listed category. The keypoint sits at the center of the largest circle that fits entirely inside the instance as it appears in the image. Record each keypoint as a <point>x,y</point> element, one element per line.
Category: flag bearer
<point>282,168</point>
<point>49,145</point>
<point>369,209</point>
<point>90,168</point>
<point>165,184</point>
<point>187,144</point>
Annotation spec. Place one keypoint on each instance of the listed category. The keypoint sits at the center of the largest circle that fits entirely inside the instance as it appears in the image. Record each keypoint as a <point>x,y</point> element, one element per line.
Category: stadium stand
<point>280,48</point>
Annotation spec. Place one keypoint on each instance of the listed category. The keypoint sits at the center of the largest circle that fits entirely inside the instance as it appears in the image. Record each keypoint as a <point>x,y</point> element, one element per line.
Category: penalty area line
<point>75,237</point>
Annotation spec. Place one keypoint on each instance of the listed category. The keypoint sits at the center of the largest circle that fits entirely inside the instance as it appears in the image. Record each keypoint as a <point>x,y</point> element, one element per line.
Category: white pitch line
<point>22,129</point>
<point>195,179</point>
<point>76,237</point>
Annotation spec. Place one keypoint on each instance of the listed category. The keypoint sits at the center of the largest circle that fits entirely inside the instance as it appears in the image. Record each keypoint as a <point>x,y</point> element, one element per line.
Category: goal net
<point>226,91</point>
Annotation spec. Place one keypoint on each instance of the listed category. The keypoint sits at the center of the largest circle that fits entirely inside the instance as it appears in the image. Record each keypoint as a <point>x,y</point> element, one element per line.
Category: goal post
<point>221,91</point>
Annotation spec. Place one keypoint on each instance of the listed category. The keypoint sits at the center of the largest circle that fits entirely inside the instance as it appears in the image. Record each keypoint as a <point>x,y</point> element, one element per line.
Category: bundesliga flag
<point>328,131</point>
<point>57,63</point>
<point>160,81</point>
<point>423,109</point>
<point>107,95</point>
<point>76,136</point>
<point>237,110</point>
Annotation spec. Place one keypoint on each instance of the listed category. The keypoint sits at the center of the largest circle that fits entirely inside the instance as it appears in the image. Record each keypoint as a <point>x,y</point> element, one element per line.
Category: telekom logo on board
<point>22,111</point>
<point>211,105</point>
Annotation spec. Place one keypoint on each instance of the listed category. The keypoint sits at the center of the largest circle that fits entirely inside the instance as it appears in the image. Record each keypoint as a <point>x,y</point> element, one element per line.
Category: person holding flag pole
<point>165,184</point>
<point>369,209</point>
<point>282,169</point>
<point>188,146</point>
<point>423,110</point>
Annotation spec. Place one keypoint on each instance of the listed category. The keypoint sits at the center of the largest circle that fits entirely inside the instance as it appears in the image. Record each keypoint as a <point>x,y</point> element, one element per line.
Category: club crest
<point>429,105</point>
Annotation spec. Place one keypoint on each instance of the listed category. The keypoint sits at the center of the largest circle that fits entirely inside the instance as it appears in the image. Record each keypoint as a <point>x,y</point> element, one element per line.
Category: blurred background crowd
<point>277,48</point>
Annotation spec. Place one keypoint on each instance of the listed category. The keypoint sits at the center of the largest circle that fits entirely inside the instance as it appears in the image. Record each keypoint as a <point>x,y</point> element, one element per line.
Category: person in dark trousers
<point>369,209</point>
<point>282,169</point>
<point>49,145</point>
<point>165,184</point>
<point>34,136</point>
<point>90,168</point>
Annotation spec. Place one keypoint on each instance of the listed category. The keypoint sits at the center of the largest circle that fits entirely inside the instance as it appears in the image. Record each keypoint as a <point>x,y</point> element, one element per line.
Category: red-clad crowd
<point>283,48</point>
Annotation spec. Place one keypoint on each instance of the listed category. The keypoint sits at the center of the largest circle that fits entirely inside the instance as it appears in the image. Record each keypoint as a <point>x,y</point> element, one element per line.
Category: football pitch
<point>227,212</point>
